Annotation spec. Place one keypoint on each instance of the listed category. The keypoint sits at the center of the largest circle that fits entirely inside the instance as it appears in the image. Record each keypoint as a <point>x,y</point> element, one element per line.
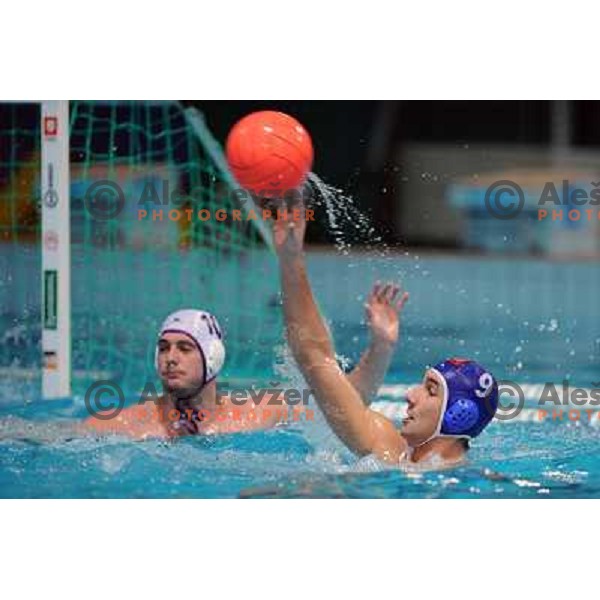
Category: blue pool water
<point>510,460</point>
<point>530,321</point>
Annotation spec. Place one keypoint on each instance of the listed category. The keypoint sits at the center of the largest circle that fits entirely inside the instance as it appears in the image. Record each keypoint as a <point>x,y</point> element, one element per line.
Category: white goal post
<point>56,250</point>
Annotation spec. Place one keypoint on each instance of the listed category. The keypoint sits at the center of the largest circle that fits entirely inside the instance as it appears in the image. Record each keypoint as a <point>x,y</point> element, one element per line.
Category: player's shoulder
<point>129,418</point>
<point>389,444</point>
<point>140,411</point>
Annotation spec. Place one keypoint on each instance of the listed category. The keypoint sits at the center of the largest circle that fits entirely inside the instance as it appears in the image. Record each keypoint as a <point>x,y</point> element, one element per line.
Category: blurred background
<point>421,168</point>
<point>416,167</point>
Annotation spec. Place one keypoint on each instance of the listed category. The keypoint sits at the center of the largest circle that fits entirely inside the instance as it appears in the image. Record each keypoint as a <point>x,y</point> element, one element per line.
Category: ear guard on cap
<point>460,416</point>
<point>204,329</point>
<point>214,358</point>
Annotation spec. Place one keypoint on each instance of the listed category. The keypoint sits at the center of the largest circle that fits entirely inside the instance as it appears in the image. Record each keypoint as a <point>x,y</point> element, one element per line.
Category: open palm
<point>383,307</point>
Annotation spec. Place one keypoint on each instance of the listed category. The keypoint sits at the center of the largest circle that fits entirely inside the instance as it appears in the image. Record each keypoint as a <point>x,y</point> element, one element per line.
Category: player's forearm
<point>305,329</point>
<point>368,375</point>
<point>341,405</point>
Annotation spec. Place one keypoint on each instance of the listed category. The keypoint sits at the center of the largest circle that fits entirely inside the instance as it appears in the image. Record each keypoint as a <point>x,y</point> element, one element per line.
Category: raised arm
<point>382,309</point>
<point>361,429</point>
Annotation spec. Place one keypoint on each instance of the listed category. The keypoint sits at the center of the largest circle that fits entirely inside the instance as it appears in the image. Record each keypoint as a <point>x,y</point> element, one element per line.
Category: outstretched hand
<point>288,234</point>
<point>383,308</point>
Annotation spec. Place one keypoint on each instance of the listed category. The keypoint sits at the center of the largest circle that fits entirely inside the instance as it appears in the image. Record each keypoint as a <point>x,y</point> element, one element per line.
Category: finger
<point>376,290</point>
<point>286,215</point>
<point>301,222</point>
<point>280,229</point>
<point>393,293</point>
<point>403,300</point>
<point>386,292</point>
<point>369,313</point>
<point>276,225</point>
<point>374,293</point>
<point>300,212</point>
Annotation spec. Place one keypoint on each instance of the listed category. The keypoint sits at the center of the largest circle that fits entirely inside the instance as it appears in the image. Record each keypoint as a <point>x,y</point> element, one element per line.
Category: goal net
<point>135,168</point>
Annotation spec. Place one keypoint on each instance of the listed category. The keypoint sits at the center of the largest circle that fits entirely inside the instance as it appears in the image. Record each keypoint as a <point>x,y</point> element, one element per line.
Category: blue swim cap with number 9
<point>470,398</point>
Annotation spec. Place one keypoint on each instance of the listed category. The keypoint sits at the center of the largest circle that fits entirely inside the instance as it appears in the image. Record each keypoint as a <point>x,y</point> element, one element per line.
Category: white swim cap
<point>204,329</point>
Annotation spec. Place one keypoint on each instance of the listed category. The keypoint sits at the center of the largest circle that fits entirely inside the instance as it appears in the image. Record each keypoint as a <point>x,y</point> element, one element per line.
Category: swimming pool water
<point>304,460</point>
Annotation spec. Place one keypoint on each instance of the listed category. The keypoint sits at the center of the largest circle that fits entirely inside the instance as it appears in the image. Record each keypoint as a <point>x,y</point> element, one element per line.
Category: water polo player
<point>189,355</point>
<point>455,402</point>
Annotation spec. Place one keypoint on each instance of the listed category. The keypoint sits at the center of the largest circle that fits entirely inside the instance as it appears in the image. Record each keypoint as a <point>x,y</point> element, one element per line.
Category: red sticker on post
<point>50,126</point>
<point>50,361</point>
<point>51,240</point>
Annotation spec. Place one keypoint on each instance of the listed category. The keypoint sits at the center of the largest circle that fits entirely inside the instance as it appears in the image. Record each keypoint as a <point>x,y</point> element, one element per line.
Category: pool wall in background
<point>527,320</point>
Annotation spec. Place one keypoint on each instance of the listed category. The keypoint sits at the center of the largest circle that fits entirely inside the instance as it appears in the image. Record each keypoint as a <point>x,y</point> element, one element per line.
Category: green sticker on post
<point>50,297</point>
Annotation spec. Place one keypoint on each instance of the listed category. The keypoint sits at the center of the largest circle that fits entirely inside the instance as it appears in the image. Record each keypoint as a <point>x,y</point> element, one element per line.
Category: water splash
<point>347,224</point>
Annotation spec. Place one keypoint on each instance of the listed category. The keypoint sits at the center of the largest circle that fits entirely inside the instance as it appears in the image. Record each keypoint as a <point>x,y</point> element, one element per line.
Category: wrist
<point>383,344</point>
<point>296,258</point>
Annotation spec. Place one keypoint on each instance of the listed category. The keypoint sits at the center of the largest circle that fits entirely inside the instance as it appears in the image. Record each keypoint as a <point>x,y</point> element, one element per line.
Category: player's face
<point>180,365</point>
<point>424,409</point>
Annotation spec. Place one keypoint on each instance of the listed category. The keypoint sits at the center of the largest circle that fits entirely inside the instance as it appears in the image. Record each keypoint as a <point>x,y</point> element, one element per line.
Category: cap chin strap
<point>438,428</point>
